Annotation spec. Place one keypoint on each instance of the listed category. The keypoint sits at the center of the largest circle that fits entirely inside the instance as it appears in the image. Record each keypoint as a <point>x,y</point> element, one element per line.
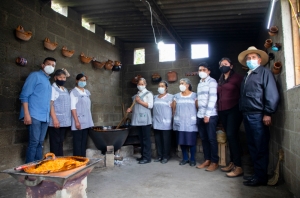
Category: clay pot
<point>276,47</point>
<point>21,61</point>
<point>273,30</point>
<point>156,77</point>
<point>117,63</point>
<point>277,68</point>
<point>268,43</point>
<point>97,64</point>
<point>48,45</point>
<point>85,59</point>
<point>66,52</point>
<point>109,65</point>
<point>136,79</point>
<point>22,34</point>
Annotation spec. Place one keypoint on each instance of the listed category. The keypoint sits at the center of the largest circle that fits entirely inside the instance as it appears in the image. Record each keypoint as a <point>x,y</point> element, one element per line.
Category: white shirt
<point>55,94</point>
<point>147,98</point>
<point>74,99</point>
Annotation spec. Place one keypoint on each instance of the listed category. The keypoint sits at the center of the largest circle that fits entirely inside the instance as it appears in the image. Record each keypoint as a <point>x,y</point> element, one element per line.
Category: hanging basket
<point>22,34</point>
<point>85,59</point>
<point>66,52</point>
<point>48,45</point>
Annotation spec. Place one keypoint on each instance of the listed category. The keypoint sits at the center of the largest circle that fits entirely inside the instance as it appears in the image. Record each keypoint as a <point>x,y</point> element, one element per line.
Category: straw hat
<point>264,56</point>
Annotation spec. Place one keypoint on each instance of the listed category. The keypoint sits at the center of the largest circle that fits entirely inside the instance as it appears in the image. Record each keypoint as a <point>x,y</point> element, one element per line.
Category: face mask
<point>182,88</point>
<point>60,82</point>
<point>203,75</point>
<point>141,88</point>
<point>224,69</point>
<point>82,84</point>
<point>161,90</point>
<point>49,69</point>
<point>252,64</point>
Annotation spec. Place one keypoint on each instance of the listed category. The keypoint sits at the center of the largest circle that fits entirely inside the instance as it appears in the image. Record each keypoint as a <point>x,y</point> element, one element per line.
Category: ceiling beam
<point>164,22</point>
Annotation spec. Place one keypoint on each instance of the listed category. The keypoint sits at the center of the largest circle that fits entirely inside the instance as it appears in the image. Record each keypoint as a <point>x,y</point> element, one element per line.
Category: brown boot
<point>204,164</point>
<point>235,172</point>
<point>212,167</point>
<point>228,168</point>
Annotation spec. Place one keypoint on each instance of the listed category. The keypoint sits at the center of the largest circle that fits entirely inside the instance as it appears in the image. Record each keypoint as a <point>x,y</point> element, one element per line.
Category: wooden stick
<point>125,116</point>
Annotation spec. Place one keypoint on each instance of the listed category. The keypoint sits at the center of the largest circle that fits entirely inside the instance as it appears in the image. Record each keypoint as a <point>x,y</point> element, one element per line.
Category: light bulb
<point>160,44</point>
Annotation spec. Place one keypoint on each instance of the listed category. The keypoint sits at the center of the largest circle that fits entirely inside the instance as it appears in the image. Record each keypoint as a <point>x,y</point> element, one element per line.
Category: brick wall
<point>39,18</point>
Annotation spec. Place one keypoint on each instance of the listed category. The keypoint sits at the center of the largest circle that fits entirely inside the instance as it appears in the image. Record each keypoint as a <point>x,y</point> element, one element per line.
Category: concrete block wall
<point>38,17</point>
<point>285,131</point>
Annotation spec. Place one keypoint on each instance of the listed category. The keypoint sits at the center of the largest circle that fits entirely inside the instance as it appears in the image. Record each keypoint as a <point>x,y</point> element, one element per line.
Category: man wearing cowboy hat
<point>259,99</point>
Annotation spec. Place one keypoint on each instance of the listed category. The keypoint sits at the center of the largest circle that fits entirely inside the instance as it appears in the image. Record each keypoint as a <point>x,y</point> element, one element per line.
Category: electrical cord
<point>152,22</point>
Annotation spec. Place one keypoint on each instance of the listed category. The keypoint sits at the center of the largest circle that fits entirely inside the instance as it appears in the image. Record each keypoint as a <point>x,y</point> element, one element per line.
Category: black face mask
<point>224,69</point>
<point>60,82</point>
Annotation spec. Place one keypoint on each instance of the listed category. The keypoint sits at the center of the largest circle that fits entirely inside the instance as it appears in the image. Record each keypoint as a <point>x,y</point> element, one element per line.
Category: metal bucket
<point>104,136</point>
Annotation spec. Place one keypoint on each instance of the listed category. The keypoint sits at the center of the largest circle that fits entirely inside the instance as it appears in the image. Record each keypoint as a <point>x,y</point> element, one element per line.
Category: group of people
<point>233,98</point>
<point>54,108</point>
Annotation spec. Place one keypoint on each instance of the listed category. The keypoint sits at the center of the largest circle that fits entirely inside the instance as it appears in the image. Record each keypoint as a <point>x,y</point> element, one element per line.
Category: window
<point>139,56</point>
<point>199,51</point>
<point>63,10</point>
<point>87,25</point>
<point>110,39</point>
<point>167,53</point>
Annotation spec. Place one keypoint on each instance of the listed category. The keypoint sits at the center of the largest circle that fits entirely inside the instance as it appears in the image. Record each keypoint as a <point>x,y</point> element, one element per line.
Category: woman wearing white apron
<point>185,122</point>
<point>81,115</point>
<point>141,118</point>
<point>162,122</point>
<point>60,113</point>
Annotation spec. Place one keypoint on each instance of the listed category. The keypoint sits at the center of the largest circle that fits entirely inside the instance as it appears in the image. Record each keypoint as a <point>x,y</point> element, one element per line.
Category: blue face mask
<point>252,64</point>
<point>82,84</point>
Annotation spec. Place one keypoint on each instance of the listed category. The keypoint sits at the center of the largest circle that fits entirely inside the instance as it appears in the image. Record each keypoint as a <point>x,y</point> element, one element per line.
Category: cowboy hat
<point>264,56</point>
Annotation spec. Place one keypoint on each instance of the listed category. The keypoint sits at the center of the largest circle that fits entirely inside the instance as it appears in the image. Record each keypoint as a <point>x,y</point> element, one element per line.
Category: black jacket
<point>259,94</point>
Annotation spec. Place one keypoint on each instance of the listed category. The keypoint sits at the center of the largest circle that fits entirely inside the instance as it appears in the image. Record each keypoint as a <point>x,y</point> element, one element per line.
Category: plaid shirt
<point>207,98</point>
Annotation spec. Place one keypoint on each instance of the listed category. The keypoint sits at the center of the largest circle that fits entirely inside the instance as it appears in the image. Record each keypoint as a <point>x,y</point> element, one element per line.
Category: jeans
<point>207,132</point>
<point>79,142</point>
<point>163,143</point>
<point>37,132</point>
<point>56,140</point>
<point>231,120</point>
<point>145,141</point>
<point>258,137</point>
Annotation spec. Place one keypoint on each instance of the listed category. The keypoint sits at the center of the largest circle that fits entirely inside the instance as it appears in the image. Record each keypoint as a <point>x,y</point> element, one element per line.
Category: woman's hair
<point>79,76</point>
<point>187,81</point>
<point>225,58</point>
<point>222,78</point>
<point>144,80</point>
<point>59,72</point>
<point>165,83</point>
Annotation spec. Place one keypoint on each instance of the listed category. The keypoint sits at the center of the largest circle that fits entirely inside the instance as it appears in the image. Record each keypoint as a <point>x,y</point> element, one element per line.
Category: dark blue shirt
<point>37,93</point>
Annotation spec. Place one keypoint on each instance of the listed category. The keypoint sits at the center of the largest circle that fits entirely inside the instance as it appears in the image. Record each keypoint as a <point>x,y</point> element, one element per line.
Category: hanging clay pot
<point>268,43</point>
<point>136,79</point>
<point>277,68</point>
<point>48,45</point>
<point>22,34</point>
<point>97,64</point>
<point>273,30</point>
<point>67,73</point>
<point>109,65</point>
<point>66,52</point>
<point>85,59</point>
<point>117,66</point>
<point>21,61</point>
<point>276,47</point>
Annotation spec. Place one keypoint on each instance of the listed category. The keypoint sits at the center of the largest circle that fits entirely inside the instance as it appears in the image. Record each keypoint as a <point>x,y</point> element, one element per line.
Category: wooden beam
<point>164,22</point>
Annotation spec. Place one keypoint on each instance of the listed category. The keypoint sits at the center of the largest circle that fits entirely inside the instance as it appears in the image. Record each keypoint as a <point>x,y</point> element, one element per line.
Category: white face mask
<point>203,75</point>
<point>161,90</point>
<point>49,69</point>
<point>182,88</point>
<point>141,88</point>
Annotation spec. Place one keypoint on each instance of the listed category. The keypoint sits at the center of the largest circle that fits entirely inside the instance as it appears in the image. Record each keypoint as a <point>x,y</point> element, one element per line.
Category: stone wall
<point>38,17</point>
<point>183,64</point>
<point>285,131</point>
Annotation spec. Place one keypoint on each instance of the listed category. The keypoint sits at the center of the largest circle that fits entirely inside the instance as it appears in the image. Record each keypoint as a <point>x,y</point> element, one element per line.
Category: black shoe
<point>157,160</point>
<point>139,159</point>
<point>192,163</point>
<point>249,177</point>
<point>254,182</point>
<point>144,161</point>
<point>164,161</point>
<point>184,162</point>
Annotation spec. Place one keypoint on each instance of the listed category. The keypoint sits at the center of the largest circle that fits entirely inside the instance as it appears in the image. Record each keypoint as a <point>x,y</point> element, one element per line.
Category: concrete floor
<point>170,180</point>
